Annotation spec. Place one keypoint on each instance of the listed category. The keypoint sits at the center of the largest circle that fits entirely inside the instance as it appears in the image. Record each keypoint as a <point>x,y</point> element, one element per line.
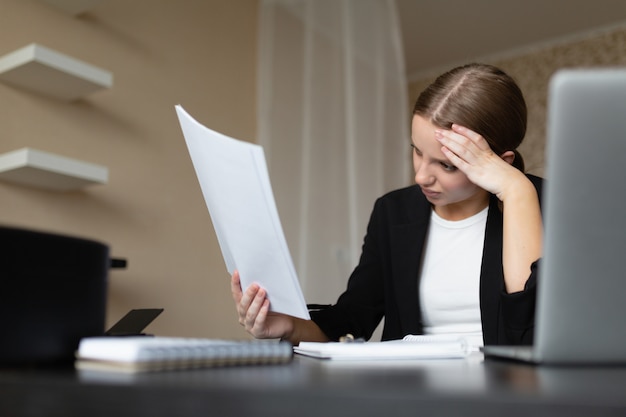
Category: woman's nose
<point>423,176</point>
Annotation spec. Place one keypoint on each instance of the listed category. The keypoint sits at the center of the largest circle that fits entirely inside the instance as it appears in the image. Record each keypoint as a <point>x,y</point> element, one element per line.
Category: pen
<point>349,338</point>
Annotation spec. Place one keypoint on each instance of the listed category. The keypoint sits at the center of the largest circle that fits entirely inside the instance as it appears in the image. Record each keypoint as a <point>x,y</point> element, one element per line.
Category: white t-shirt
<point>450,275</point>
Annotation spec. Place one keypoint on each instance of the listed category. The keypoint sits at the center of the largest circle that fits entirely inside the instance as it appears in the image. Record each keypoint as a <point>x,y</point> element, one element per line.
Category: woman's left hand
<point>470,152</point>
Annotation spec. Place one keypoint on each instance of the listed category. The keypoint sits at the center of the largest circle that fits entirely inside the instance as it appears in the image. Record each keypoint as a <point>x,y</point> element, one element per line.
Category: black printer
<point>52,293</point>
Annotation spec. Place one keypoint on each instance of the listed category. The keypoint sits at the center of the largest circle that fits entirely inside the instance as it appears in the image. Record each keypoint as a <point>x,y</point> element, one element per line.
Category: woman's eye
<point>448,167</point>
<point>417,151</point>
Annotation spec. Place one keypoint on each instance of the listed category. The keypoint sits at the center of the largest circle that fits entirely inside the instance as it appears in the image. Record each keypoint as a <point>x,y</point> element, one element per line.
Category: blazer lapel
<point>406,246</point>
<point>491,274</point>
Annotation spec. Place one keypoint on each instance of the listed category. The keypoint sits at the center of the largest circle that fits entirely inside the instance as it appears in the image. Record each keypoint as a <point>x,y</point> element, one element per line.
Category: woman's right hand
<point>253,310</point>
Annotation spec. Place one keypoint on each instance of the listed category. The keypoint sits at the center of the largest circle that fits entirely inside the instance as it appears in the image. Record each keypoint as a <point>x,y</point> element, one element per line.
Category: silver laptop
<point>581,301</point>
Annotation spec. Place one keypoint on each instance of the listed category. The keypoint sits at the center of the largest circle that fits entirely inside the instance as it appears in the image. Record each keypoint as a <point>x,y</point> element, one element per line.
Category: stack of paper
<point>444,348</point>
<point>235,183</point>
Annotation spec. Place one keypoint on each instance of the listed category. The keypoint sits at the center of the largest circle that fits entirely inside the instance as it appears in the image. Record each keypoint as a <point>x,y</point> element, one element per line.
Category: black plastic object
<point>52,293</point>
<point>133,323</point>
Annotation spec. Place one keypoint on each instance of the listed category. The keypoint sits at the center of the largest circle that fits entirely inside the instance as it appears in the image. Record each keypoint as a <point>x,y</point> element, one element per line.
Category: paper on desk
<point>235,183</point>
<point>390,350</point>
<point>471,340</point>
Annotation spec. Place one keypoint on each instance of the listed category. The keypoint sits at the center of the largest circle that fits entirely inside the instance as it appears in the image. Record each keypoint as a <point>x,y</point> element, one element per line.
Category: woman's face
<point>445,186</point>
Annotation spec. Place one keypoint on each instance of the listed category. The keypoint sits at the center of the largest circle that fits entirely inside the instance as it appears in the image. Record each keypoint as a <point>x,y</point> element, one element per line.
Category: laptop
<point>581,302</point>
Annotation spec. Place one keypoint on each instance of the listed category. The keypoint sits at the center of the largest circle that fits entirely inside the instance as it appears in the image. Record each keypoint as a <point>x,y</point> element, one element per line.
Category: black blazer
<point>385,282</point>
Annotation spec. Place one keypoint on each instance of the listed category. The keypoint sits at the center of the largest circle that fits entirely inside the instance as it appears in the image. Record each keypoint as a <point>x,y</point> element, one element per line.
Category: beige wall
<point>532,70</point>
<point>199,53</point>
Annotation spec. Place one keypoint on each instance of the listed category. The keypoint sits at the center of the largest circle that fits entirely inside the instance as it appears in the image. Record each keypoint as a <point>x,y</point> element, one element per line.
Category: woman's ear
<point>509,157</point>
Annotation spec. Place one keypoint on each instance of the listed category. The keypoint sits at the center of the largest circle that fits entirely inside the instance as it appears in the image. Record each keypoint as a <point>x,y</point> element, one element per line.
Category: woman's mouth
<point>430,193</point>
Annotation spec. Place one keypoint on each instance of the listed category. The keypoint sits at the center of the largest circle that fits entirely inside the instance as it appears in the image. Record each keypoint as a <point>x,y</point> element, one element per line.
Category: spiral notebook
<point>143,353</point>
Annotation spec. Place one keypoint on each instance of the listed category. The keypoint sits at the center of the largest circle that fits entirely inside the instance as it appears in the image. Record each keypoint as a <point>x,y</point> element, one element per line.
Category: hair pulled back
<point>482,98</point>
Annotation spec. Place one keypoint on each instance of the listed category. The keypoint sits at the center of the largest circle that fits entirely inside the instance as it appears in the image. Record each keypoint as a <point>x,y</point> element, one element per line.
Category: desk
<point>310,387</point>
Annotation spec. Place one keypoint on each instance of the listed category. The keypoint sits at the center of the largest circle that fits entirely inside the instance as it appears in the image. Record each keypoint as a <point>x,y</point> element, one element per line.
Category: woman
<point>455,253</point>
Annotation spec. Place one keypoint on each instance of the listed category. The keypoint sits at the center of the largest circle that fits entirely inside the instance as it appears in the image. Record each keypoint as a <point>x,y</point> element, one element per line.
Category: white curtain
<point>333,118</point>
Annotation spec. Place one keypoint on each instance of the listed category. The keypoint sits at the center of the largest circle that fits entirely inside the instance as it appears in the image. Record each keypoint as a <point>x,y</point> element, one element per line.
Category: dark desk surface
<point>310,387</point>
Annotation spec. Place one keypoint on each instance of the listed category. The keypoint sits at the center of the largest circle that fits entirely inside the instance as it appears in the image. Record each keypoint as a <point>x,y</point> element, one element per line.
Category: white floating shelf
<point>43,70</point>
<point>73,7</point>
<point>40,169</point>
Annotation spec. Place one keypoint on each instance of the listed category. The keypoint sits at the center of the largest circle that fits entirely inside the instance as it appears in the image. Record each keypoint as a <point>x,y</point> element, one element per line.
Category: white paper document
<point>235,184</point>
<point>472,341</point>
<point>390,350</point>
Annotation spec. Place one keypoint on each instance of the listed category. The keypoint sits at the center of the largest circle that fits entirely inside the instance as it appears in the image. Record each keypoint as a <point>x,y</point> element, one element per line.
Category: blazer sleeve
<point>361,307</point>
<point>518,311</point>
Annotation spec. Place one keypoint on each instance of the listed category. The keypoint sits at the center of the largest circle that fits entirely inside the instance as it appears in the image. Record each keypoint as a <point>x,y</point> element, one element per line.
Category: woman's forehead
<point>423,136</point>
